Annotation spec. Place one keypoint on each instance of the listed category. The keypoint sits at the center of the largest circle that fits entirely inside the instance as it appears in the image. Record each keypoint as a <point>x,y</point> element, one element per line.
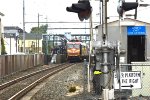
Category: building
<point>11,39</point>
<point>33,43</point>
<point>14,43</point>
<point>134,36</point>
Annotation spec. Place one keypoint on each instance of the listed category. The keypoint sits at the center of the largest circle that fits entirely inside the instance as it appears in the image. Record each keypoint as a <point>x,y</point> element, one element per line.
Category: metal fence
<point>12,63</point>
<point>142,91</point>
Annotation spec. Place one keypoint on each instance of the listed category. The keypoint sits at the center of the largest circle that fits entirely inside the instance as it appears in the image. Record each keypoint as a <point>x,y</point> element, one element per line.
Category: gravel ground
<point>57,88</point>
<point>11,90</point>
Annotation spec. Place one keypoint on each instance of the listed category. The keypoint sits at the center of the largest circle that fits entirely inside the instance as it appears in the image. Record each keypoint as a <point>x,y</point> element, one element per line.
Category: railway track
<point>13,81</point>
<point>16,88</point>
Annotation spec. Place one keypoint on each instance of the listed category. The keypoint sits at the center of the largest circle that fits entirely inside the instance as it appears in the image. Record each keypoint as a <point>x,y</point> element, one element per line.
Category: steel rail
<point>9,83</point>
<point>31,86</point>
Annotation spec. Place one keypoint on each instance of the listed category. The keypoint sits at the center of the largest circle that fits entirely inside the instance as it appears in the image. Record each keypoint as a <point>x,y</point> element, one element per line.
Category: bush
<point>2,47</point>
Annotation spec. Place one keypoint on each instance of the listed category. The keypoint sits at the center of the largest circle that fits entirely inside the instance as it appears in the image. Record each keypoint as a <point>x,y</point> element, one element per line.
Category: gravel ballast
<point>57,88</point>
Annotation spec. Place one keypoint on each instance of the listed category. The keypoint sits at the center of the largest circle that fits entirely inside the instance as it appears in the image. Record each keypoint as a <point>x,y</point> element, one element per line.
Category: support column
<point>105,49</point>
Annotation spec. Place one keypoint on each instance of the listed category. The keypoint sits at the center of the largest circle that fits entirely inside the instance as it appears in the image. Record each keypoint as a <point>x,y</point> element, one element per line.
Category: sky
<point>55,11</point>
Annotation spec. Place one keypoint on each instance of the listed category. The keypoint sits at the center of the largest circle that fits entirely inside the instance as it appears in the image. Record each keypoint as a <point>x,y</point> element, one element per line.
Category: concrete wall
<point>13,63</point>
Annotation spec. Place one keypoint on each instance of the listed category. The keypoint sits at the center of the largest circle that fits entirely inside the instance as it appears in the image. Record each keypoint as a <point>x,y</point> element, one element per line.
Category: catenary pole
<point>38,33</point>
<point>23,26</point>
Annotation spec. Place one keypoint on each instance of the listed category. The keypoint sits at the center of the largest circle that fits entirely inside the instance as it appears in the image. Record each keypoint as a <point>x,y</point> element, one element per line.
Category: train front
<point>73,51</point>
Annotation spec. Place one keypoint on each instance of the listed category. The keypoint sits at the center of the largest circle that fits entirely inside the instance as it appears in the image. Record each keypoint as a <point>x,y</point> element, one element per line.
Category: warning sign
<point>128,80</point>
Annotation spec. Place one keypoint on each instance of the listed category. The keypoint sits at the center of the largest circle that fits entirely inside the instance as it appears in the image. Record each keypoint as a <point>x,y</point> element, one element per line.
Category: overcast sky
<point>54,11</point>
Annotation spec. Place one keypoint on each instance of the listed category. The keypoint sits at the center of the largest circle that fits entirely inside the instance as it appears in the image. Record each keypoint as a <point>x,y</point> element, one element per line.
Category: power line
<point>62,22</point>
<point>68,28</point>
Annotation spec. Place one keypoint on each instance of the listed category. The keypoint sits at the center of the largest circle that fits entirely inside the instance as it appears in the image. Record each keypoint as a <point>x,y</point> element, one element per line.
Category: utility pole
<point>38,33</point>
<point>47,48</point>
<point>10,44</point>
<point>100,12</point>
<point>23,26</point>
<point>135,16</point>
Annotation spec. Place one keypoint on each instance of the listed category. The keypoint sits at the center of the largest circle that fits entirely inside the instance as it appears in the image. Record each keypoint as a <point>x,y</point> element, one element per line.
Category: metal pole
<point>91,40</point>
<point>36,43</point>
<point>23,26</point>
<point>84,76</point>
<point>16,43</point>
<point>135,16</point>
<point>38,33</point>
<point>118,46</point>
<point>10,44</point>
<point>53,40</point>
<point>105,49</point>
<point>47,48</point>
<point>100,11</point>
<point>104,20</point>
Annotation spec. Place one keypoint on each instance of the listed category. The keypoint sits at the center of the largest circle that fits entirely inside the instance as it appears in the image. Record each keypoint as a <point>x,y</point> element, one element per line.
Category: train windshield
<point>73,46</point>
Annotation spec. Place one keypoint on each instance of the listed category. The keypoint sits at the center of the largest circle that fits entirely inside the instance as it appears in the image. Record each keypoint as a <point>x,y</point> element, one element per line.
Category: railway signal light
<point>126,6</point>
<point>83,8</point>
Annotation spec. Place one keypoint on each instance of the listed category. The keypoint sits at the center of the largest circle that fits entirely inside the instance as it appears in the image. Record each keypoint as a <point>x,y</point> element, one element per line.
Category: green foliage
<point>49,48</point>
<point>42,29</point>
<point>3,47</point>
<point>46,47</point>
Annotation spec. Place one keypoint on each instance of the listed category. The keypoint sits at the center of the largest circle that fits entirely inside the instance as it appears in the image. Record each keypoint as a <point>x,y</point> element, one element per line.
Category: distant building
<point>33,43</point>
<point>11,39</point>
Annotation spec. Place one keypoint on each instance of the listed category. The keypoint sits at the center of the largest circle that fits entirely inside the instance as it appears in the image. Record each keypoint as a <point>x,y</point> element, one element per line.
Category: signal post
<point>106,53</point>
<point>83,9</point>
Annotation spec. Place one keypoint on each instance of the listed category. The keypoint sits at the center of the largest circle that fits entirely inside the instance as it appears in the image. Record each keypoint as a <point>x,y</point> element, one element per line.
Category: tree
<point>42,29</point>
<point>3,51</point>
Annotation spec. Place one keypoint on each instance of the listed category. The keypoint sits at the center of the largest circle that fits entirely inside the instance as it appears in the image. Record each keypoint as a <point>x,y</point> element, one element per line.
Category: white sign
<point>68,35</point>
<point>128,80</point>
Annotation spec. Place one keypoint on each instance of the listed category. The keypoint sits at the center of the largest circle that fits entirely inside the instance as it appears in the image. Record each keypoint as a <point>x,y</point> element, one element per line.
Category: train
<point>77,51</point>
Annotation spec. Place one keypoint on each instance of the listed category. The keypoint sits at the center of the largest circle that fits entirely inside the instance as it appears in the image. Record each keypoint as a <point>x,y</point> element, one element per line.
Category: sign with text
<point>136,30</point>
<point>128,80</point>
